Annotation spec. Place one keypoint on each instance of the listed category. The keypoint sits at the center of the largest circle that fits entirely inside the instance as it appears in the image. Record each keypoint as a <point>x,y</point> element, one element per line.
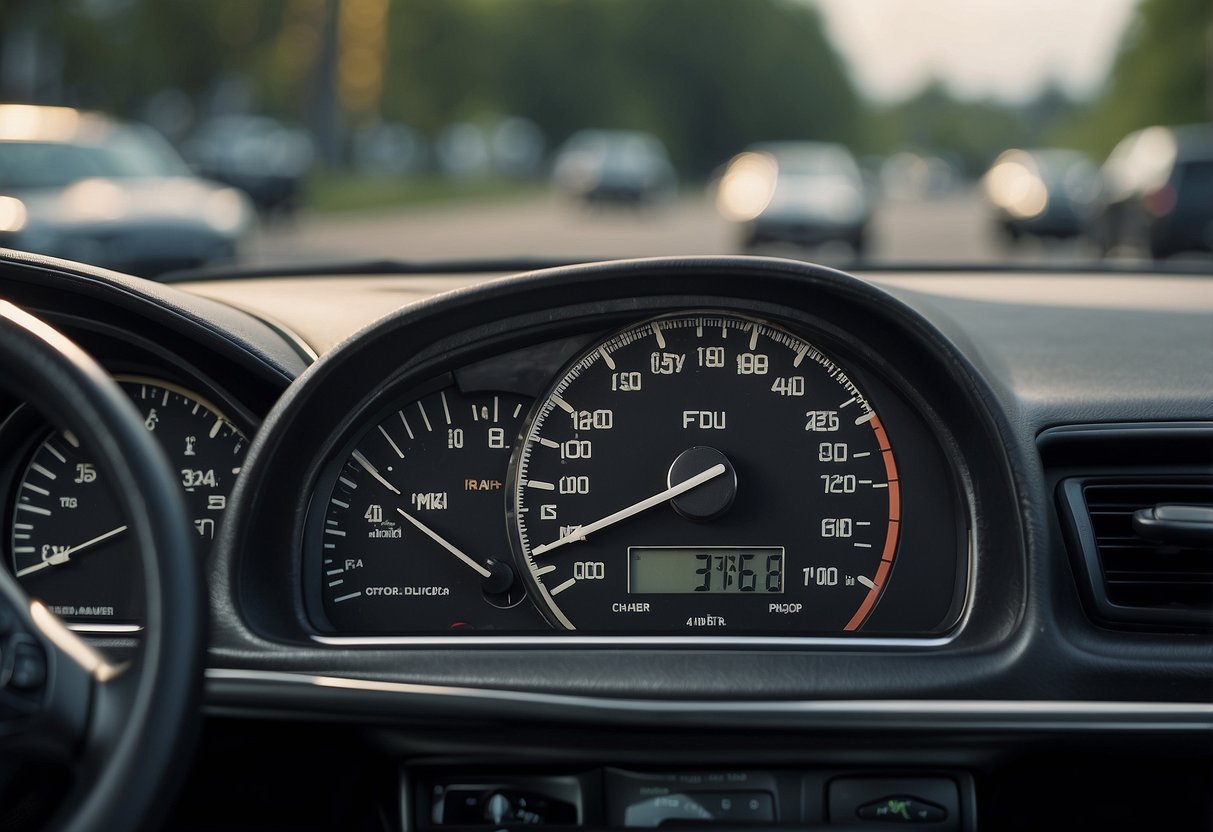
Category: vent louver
<point>1134,580</point>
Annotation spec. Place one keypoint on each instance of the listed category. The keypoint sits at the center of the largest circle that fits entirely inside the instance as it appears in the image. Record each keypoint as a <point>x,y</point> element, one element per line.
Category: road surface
<point>950,229</point>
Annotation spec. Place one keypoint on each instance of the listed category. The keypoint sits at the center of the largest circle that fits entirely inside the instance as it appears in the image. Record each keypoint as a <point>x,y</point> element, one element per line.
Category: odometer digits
<point>706,471</point>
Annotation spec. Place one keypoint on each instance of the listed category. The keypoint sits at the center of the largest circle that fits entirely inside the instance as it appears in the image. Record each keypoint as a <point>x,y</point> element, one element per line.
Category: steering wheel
<point>122,729</point>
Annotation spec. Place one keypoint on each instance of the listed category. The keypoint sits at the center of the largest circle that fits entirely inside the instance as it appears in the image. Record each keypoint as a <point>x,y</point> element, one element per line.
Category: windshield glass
<point>840,131</point>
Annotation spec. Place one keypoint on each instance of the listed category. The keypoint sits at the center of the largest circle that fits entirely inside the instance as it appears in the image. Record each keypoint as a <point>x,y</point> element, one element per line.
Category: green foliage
<point>1162,75</point>
<point>707,76</point>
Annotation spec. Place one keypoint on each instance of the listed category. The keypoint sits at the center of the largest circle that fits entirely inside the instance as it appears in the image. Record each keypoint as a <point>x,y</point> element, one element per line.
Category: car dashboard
<point>729,541</point>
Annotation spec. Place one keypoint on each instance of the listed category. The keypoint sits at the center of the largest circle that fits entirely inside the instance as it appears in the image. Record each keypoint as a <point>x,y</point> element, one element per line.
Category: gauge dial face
<point>706,473</point>
<point>413,537</point>
<point>70,545</point>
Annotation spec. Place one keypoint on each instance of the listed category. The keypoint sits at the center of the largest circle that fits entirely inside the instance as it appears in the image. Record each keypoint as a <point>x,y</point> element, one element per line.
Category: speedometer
<point>706,473</point>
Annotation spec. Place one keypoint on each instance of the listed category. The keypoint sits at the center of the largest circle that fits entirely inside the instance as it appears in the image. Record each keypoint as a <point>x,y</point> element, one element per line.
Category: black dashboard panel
<point>1007,684</point>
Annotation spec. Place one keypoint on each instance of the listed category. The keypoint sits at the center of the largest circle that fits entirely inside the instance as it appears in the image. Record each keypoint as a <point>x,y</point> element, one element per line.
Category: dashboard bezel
<point>523,311</point>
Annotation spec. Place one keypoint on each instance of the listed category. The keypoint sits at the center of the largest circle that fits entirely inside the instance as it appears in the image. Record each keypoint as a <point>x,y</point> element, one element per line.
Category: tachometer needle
<point>66,554</point>
<point>624,513</point>
<point>445,544</point>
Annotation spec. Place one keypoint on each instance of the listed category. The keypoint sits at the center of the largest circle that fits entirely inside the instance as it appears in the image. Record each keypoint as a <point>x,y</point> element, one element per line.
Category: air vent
<point>1132,579</point>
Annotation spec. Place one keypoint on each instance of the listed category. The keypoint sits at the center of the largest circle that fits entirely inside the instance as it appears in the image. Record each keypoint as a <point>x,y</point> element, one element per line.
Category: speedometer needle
<point>624,513</point>
<point>66,554</point>
<point>445,544</point>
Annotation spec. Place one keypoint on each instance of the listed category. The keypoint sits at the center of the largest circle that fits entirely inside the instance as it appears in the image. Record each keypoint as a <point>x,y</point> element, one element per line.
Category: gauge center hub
<point>711,499</point>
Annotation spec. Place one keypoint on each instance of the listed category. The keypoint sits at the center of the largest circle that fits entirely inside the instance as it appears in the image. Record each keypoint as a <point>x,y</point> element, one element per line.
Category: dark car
<point>803,193</point>
<point>615,166</point>
<point>1042,192</point>
<point>88,187</point>
<point>1159,192</point>
<point>261,156</point>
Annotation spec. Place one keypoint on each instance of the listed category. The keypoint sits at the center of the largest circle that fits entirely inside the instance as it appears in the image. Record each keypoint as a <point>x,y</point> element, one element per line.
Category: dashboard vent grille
<point>1136,580</point>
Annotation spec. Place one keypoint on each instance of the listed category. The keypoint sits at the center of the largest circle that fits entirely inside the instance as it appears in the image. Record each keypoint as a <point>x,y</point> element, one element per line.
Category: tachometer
<point>410,536</point>
<point>706,473</point>
<point>70,545</point>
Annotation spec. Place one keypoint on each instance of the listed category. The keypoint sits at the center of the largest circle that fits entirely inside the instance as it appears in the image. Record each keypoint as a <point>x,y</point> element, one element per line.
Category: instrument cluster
<point>704,472</point>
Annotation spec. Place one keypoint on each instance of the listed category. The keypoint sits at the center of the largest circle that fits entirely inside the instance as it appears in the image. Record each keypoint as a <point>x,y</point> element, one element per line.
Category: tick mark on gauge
<point>861,455</point>
<point>606,357</point>
<point>562,404</point>
<point>863,545</point>
<point>866,581</point>
<point>335,532</point>
<point>543,570</point>
<point>660,338</point>
<point>337,502</point>
<point>556,590</point>
<point>391,442</point>
<point>753,337</point>
<point>349,597</point>
<point>332,572</point>
<point>425,417</point>
<point>800,354</point>
<point>337,582</point>
<point>71,439</point>
<point>55,452</point>
<point>540,484</point>
<point>848,402</point>
<point>50,475</point>
<point>865,418</point>
<point>348,482</point>
<point>547,443</point>
<point>407,428</point>
<point>35,509</point>
<point>517,410</point>
<point>36,489</point>
<point>446,408</point>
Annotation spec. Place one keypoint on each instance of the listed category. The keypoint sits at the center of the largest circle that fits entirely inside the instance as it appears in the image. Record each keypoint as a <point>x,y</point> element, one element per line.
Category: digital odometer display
<point>705,569</point>
<point>656,462</point>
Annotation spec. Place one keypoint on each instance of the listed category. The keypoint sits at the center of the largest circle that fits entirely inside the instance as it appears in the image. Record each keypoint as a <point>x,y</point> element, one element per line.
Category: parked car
<point>803,193</point>
<point>89,187</point>
<point>1159,192</point>
<point>1042,192</point>
<point>261,156</point>
<point>623,167</point>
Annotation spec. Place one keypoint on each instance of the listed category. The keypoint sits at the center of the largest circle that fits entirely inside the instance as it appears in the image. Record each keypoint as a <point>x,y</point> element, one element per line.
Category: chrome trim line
<point>572,640</point>
<point>917,713</point>
<point>105,628</point>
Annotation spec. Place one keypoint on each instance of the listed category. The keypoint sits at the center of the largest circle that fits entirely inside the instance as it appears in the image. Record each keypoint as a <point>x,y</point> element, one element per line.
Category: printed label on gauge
<point>410,533</point>
<point>702,473</point>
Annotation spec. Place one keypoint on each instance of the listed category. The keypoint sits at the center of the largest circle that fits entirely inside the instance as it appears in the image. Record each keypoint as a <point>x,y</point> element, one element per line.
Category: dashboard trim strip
<point>1014,715</point>
<point>628,641</point>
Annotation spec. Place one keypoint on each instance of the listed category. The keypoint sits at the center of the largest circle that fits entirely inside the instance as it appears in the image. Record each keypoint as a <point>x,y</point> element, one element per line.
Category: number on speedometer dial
<point>706,473</point>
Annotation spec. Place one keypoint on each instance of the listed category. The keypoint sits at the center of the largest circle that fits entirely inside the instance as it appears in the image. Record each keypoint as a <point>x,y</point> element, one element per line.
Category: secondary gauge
<point>706,473</point>
<point>409,535</point>
<point>70,545</point>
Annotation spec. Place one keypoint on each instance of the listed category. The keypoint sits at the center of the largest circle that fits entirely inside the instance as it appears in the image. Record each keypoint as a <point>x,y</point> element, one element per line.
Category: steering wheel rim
<point>132,725</point>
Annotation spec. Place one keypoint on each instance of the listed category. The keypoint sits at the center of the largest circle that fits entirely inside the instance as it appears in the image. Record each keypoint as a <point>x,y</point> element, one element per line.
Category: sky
<point>981,48</point>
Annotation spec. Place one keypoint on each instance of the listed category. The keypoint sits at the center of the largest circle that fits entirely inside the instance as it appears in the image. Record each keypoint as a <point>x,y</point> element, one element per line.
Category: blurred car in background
<point>260,155</point>
<point>1159,192</point>
<point>623,167</point>
<point>87,187</point>
<point>1042,193</point>
<point>803,193</point>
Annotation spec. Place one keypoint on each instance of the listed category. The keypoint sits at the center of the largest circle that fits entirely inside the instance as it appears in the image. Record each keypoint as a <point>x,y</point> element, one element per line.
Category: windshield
<point>869,132</point>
